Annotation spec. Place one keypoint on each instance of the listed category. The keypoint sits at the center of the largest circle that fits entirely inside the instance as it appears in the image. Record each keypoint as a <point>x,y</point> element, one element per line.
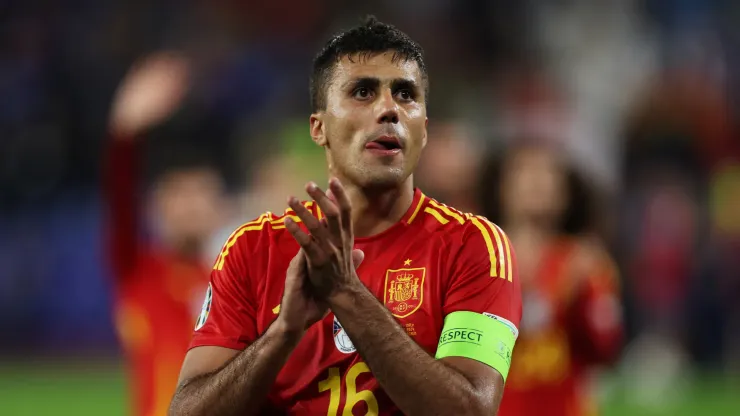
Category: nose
<point>387,109</point>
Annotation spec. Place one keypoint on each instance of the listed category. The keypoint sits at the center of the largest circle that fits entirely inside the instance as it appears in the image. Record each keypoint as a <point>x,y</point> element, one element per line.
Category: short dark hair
<point>370,38</point>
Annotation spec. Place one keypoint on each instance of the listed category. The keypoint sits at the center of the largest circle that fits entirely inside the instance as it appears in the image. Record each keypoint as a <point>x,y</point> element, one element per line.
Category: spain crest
<point>404,291</point>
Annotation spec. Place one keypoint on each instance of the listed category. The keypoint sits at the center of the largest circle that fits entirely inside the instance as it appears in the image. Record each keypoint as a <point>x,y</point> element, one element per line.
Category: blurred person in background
<point>449,168</point>
<point>571,307</point>
<point>159,281</point>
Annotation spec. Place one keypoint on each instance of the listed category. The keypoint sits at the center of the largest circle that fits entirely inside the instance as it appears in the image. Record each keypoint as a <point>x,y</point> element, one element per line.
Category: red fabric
<point>582,326</point>
<point>157,293</point>
<point>422,268</point>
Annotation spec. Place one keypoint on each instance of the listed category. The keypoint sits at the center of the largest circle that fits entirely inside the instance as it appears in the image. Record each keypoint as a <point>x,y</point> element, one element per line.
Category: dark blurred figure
<point>571,308</point>
<point>160,280</point>
<point>678,239</point>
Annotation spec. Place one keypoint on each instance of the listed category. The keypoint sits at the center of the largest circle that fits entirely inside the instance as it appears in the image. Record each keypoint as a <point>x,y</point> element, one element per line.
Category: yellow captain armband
<point>485,338</point>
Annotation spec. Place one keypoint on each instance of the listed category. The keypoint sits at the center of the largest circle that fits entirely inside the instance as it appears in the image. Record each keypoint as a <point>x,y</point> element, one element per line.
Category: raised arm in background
<point>149,94</point>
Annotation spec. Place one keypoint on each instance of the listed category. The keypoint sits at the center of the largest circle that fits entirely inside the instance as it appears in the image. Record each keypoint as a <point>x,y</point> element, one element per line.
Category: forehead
<point>379,65</point>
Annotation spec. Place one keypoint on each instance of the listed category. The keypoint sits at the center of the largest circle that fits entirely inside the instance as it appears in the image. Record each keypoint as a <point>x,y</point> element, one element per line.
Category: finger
<point>308,244</point>
<point>330,195</point>
<point>330,211</point>
<point>345,207</point>
<point>357,257</point>
<point>314,226</point>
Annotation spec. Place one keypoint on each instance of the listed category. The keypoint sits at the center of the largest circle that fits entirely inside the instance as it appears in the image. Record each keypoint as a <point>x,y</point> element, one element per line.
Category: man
<point>156,282</point>
<point>296,322</point>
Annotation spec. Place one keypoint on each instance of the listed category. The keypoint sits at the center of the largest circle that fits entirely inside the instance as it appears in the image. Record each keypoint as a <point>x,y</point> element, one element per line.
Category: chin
<point>382,178</point>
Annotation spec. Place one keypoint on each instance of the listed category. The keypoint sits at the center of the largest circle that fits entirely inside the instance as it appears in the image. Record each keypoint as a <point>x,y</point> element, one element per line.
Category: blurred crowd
<point>637,100</point>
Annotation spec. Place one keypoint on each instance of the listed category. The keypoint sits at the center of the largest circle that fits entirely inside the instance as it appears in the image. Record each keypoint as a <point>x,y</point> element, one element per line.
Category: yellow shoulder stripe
<point>261,219</point>
<point>489,243</point>
<point>437,215</point>
<point>500,246</point>
<point>416,210</point>
<point>255,225</point>
<point>229,244</point>
<point>257,221</point>
<point>444,208</point>
<point>507,243</point>
<point>497,243</point>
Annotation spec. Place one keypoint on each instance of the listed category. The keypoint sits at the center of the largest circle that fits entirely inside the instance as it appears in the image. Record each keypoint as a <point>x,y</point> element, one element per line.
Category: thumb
<point>301,260</point>
<point>357,257</point>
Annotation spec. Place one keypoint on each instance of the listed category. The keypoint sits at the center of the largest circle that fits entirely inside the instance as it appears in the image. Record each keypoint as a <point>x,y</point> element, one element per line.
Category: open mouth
<point>384,143</point>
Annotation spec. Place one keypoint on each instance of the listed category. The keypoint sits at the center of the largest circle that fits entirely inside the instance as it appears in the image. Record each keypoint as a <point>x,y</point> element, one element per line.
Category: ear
<point>316,125</point>
<point>424,139</point>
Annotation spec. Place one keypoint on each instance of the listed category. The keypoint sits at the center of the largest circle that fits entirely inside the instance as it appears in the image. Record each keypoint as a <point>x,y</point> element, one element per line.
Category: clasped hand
<point>325,265</point>
<point>328,246</point>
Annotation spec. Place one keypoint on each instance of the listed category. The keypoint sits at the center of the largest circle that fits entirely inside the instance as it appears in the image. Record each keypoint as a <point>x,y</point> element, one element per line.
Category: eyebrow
<point>405,83</point>
<point>363,82</point>
<point>373,83</point>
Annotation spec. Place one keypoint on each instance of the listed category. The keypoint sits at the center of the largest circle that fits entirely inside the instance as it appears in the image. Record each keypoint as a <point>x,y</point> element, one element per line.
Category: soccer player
<point>159,284</point>
<point>371,298</point>
<point>571,320</point>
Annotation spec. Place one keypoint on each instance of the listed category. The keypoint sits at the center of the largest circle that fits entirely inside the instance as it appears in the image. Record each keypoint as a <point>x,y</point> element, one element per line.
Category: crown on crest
<point>405,277</point>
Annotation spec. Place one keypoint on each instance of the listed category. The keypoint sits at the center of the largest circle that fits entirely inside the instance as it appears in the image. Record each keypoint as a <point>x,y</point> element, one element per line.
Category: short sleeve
<point>228,316</point>
<point>483,276</point>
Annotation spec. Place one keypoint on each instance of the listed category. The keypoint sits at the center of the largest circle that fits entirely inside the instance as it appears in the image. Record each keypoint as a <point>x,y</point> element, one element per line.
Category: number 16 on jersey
<point>334,384</point>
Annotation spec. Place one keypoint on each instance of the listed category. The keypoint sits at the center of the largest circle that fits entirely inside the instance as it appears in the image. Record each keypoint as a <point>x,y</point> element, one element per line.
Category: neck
<point>376,210</point>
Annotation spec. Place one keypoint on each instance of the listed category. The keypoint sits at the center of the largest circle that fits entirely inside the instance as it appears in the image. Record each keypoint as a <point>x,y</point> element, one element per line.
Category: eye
<point>406,95</point>
<point>362,93</point>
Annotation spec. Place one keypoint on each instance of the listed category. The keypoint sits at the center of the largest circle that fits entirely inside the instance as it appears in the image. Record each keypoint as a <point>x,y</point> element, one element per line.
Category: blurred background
<point>637,98</point>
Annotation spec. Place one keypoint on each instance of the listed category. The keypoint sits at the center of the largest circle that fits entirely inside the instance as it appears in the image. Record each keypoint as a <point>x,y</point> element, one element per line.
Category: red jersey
<point>571,321</point>
<point>433,262</point>
<point>157,293</point>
